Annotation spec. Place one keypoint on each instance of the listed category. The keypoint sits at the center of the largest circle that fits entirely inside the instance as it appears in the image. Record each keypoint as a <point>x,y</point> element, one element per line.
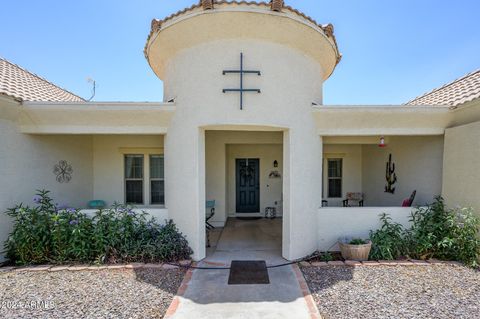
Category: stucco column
<point>185,183</point>
<point>302,191</point>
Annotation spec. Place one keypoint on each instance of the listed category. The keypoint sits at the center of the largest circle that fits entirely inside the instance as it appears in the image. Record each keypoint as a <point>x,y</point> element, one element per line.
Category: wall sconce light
<point>382,142</point>
<point>275,163</point>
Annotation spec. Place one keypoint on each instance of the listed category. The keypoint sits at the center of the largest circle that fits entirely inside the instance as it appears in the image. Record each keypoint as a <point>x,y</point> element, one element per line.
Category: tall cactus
<point>390,176</point>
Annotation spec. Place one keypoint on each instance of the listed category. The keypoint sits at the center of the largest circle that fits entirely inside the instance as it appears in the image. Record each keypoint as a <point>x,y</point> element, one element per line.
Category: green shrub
<point>357,241</point>
<point>387,242</point>
<point>48,234</point>
<point>443,233</point>
<point>436,232</point>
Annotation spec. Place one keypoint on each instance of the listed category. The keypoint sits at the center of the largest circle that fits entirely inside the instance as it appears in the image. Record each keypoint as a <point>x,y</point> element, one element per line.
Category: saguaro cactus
<point>390,176</point>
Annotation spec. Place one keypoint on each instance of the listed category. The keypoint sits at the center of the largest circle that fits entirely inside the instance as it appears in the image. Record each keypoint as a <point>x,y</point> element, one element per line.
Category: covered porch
<point>365,176</point>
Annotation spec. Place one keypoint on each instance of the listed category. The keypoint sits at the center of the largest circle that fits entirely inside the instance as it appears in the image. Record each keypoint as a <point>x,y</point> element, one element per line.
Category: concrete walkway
<point>206,294</point>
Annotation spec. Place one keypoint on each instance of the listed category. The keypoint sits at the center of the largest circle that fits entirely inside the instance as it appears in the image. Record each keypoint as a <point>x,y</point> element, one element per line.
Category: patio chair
<point>409,201</point>
<point>353,199</point>
<point>210,212</point>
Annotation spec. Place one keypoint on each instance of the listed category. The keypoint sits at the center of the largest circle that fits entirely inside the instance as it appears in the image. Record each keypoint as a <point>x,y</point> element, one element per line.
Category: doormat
<point>244,272</point>
<point>249,218</point>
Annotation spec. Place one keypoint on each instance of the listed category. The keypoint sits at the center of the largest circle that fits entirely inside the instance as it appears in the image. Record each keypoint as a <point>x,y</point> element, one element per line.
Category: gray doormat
<point>244,272</point>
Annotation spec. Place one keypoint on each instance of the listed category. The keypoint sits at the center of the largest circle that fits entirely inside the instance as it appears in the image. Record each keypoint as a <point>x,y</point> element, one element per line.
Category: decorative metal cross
<point>241,90</point>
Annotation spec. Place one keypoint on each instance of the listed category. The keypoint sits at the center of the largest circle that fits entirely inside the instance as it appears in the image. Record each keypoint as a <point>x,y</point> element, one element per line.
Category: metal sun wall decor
<point>63,172</point>
<point>390,176</point>
<point>242,72</point>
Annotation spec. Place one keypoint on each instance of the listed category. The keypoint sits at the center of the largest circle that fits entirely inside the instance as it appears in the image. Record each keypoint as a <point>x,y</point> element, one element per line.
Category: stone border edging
<point>311,304</point>
<point>55,268</point>
<point>354,263</point>
<point>180,292</point>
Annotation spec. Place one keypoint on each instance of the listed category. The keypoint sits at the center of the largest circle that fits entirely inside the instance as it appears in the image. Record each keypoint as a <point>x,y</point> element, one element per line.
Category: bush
<point>48,234</point>
<point>443,233</point>
<point>358,241</point>
<point>436,232</point>
<point>387,242</point>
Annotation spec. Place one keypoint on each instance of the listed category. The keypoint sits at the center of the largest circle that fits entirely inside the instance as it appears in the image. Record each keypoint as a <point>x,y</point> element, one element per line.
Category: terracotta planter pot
<point>355,252</point>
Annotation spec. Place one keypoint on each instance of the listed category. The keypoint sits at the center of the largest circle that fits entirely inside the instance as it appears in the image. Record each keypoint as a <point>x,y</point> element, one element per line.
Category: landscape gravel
<point>436,291</point>
<point>118,293</point>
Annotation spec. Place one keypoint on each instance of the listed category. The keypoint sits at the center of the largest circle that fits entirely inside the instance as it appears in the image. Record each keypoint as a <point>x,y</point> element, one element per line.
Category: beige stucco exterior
<point>461,168</point>
<point>202,130</point>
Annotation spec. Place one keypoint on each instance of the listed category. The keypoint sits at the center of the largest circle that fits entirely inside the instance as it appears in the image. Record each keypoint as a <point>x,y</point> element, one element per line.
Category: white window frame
<point>335,178</point>
<point>133,179</point>
<point>146,153</point>
<point>151,179</point>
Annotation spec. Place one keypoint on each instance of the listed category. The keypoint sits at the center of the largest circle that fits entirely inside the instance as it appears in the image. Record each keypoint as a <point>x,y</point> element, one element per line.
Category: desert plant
<point>387,242</point>
<point>47,234</point>
<point>357,241</point>
<point>444,233</point>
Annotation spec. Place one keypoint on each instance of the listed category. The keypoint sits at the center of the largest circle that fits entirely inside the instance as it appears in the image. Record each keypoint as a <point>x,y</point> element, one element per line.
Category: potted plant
<point>355,249</point>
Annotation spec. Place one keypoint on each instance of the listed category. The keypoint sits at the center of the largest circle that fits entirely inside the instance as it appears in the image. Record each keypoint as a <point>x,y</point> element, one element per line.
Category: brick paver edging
<point>354,263</point>
<point>180,292</point>
<point>53,268</point>
<point>312,306</point>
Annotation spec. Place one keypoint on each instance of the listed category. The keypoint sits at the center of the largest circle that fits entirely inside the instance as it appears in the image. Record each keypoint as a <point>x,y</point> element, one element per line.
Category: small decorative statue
<point>390,176</point>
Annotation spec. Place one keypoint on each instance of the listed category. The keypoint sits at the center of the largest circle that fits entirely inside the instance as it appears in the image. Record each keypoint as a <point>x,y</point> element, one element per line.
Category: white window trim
<point>326,157</point>
<point>146,152</point>
<point>151,179</point>
<point>125,179</point>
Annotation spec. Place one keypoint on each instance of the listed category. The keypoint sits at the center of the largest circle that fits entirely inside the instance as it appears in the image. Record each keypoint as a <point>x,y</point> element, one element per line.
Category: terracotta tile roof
<point>20,84</point>
<point>460,91</point>
<point>157,24</point>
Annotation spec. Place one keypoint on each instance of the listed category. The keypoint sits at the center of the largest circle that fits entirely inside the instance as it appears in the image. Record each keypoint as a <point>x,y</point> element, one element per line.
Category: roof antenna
<point>94,87</point>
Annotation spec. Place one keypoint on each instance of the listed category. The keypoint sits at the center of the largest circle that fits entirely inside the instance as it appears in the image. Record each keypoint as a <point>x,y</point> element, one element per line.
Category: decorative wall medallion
<point>63,171</point>
<point>390,176</point>
<point>242,72</point>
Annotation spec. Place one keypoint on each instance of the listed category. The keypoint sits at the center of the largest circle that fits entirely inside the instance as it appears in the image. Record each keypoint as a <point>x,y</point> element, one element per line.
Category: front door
<point>247,178</point>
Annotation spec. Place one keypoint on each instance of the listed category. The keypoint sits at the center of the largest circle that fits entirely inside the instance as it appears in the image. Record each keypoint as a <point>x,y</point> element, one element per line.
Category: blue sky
<point>393,50</point>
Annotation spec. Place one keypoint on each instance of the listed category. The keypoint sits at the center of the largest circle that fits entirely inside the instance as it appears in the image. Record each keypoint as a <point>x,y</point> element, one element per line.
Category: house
<point>242,123</point>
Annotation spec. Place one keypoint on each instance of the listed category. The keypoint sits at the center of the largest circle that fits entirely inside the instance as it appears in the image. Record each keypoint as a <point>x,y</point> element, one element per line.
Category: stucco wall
<point>108,162</point>
<point>288,90</point>
<point>334,223</point>
<point>351,156</point>
<point>219,165</point>
<point>418,165</point>
<point>461,167</point>
<point>27,165</point>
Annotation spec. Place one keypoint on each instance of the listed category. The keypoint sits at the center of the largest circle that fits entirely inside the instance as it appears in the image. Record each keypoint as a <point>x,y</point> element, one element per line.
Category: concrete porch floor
<point>208,294</point>
<point>246,239</point>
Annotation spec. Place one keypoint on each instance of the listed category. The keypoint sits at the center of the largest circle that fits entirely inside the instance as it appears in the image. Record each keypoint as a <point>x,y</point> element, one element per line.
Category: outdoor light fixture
<point>275,163</point>
<point>382,142</point>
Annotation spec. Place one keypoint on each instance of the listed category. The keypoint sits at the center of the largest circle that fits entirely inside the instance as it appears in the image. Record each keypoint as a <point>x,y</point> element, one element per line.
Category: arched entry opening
<point>244,180</point>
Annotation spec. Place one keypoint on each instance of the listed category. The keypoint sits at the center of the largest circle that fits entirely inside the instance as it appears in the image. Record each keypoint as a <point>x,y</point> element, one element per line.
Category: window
<point>134,179</point>
<point>335,177</point>
<point>157,180</point>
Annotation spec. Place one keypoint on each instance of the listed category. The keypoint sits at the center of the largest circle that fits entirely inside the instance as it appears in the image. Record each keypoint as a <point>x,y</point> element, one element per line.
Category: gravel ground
<point>143,293</point>
<point>438,291</point>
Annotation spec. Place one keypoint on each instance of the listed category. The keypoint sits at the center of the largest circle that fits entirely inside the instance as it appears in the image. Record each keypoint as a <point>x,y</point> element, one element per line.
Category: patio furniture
<point>353,199</point>
<point>409,201</point>
<point>210,212</point>
<point>97,204</point>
